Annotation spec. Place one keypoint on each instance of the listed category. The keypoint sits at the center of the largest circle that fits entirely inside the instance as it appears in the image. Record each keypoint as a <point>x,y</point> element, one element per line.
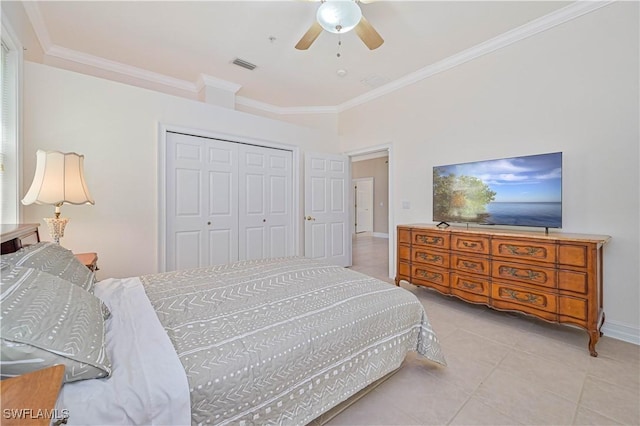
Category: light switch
<point>406,204</point>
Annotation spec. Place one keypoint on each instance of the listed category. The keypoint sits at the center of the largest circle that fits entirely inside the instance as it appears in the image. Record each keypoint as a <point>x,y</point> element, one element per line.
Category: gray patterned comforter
<point>281,341</point>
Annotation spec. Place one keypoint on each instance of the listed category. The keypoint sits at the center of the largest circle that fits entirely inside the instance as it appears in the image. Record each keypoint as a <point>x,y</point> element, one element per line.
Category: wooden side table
<point>90,260</point>
<point>30,399</point>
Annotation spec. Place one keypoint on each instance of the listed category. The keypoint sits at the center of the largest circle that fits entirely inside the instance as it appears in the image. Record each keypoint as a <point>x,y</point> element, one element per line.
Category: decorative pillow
<point>55,260</point>
<point>47,321</point>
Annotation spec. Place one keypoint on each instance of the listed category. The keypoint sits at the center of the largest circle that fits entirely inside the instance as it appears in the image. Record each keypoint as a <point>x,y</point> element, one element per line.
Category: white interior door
<point>364,204</point>
<point>265,202</point>
<point>202,212</point>
<point>326,188</point>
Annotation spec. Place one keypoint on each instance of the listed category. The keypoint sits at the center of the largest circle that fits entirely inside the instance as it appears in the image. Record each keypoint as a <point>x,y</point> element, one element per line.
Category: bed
<point>272,341</point>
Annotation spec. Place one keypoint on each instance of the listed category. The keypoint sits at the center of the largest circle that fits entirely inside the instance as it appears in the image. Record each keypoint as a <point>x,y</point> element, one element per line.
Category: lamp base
<point>56,227</point>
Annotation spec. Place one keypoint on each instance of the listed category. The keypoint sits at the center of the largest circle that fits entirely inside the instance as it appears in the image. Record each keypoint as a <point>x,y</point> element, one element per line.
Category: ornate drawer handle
<point>468,285</point>
<point>429,240</point>
<point>426,257</point>
<point>524,251</point>
<point>520,273</point>
<point>525,298</point>
<point>430,276</point>
<point>469,265</point>
<point>469,245</point>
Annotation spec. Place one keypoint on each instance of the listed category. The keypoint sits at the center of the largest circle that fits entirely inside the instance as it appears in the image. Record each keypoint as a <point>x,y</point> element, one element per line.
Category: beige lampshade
<point>59,178</point>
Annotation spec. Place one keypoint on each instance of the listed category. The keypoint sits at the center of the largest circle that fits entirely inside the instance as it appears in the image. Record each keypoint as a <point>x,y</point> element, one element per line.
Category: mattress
<point>281,341</point>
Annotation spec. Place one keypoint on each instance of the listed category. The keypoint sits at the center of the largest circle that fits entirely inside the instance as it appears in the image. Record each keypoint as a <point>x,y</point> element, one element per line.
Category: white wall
<point>574,89</point>
<point>116,127</point>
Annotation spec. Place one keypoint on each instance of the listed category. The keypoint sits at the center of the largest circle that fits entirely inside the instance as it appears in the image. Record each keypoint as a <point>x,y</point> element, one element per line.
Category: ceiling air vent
<point>244,64</point>
<point>374,81</point>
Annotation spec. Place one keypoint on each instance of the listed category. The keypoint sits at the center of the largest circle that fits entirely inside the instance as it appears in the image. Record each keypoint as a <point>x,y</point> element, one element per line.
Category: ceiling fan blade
<point>309,37</point>
<point>368,34</point>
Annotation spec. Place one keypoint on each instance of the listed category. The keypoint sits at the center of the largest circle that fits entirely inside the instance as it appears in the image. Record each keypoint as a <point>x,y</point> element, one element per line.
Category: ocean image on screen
<point>519,191</point>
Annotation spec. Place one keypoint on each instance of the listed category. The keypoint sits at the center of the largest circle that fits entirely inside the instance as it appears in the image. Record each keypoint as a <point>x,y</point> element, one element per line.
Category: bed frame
<point>16,236</point>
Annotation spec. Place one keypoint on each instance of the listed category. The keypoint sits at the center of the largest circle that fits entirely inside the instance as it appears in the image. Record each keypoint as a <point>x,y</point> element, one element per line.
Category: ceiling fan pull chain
<point>339,44</point>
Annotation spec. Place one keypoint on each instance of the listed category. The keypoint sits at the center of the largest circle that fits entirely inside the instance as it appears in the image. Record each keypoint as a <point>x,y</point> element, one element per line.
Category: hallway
<point>371,256</point>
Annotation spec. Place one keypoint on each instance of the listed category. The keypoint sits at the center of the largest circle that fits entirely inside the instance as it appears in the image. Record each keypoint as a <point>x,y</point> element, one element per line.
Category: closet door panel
<point>222,196</point>
<point>265,202</point>
<point>188,250</point>
<point>202,202</point>
<point>221,247</point>
<point>255,243</point>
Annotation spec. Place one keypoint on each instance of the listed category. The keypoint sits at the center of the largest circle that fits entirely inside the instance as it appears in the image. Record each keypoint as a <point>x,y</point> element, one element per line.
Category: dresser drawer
<point>470,243</point>
<point>573,255</point>
<point>432,239</point>
<point>430,257</point>
<point>538,251</point>
<point>404,236</point>
<point>574,308</point>
<point>404,270</point>
<point>469,284</point>
<point>471,264</point>
<point>576,281</point>
<point>430,274</point>
<point>524,273</point>
<point>404,253</point>
<point>507,296</point>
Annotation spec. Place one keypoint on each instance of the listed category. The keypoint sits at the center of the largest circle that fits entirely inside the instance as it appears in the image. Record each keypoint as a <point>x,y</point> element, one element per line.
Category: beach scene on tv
<point>519,191</point>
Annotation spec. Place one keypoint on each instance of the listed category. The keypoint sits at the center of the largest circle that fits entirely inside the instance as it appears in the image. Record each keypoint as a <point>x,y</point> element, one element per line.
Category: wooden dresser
<point>16,236</point>
<point>556,277</point>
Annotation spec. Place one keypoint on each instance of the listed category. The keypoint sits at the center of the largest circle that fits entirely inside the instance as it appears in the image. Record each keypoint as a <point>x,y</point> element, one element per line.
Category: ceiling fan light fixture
<point>339,16</point>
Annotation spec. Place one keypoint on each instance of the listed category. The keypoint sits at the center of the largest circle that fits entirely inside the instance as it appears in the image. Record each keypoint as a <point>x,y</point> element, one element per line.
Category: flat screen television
<point>519,191</point>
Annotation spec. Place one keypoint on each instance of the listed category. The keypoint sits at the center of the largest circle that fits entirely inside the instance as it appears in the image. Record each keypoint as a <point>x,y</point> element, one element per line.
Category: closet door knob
<point>208,223</point>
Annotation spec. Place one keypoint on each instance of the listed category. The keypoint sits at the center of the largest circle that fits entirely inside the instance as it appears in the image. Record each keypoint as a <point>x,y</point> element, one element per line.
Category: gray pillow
<point>48,321</point>
<point>55,260</point>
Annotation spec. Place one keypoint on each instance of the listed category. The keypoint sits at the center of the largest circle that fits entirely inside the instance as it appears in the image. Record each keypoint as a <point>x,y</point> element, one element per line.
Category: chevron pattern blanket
<point>281,341</point>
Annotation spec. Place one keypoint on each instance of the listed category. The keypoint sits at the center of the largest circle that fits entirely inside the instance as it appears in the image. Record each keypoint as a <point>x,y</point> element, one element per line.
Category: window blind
<point>8,147</point>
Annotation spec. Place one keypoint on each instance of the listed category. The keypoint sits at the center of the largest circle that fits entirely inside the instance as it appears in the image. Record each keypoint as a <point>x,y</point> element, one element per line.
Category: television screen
<point>521,191</point>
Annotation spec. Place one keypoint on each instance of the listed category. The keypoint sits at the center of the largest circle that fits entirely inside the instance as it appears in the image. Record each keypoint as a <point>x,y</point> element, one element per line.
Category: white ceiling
<point>182,40</point>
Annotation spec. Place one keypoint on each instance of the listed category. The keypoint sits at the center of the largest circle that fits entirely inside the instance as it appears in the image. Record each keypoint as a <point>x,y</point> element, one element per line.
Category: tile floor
<point>504,369</point>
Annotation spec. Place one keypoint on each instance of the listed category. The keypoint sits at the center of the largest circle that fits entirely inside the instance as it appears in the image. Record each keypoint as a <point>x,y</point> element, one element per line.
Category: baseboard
<point>380,235</point>
<point>620,331</point>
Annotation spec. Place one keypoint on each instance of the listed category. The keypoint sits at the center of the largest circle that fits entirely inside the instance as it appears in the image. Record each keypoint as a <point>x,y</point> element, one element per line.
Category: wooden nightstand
<point>90,260</point>
<point>30,399</point>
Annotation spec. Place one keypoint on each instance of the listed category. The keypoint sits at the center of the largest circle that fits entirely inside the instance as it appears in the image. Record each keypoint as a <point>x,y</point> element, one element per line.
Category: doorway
<point>371,229</point>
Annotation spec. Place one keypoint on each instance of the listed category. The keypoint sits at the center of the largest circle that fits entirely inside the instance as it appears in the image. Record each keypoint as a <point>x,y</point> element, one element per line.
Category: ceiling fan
<point>339,17</point>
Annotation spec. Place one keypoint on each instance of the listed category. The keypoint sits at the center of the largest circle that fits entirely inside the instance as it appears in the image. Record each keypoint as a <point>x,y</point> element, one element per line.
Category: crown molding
<point>32,10</point>
<point>252,103</point>
<point>544,23</point>
<point>120,68</point>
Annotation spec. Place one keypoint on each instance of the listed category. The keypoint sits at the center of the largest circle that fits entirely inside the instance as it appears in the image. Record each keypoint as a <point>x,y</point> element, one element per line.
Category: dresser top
<point>552,235</point>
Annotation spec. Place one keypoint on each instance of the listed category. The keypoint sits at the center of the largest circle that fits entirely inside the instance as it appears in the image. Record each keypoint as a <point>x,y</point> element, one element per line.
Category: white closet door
<point>265,202</point>
<point>222,195</point>
<point>202,212</point>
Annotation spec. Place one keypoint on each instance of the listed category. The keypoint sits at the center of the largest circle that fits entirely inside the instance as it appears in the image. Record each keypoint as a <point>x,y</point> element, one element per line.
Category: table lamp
<point>59,179</point>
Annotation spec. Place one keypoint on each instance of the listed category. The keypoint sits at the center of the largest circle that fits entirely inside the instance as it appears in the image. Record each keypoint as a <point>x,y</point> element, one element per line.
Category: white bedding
<point>151,385</point>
